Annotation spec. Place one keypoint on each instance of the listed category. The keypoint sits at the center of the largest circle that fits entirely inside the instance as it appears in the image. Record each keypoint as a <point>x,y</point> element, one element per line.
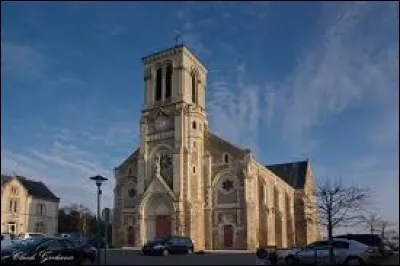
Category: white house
<point>27,206</point>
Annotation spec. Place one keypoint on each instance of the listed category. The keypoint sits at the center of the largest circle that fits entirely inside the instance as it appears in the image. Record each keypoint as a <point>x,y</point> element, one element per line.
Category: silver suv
<point>348,252</point>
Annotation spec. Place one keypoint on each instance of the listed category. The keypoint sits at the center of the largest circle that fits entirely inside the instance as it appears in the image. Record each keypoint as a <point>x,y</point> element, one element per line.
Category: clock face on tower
<point>161,123</point>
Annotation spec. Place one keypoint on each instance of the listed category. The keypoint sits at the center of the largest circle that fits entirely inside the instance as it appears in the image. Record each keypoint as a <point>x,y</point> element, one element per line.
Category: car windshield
<point>28,244</point>
<point>159,239</point>
<point>36,235</point>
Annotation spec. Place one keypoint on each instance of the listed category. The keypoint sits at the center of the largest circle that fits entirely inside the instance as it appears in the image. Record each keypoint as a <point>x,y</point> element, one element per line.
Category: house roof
<point>293,173</point>
<point>35,189</point>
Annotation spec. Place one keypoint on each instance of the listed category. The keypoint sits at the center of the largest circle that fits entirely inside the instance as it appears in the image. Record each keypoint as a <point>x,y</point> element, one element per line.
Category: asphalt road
<point>134,257</point>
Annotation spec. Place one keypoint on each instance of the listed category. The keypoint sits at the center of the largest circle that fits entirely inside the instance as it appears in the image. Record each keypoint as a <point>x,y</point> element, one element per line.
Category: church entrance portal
<point>228,236</point>
<point>159,216</point>
<point>131,236</point>
<point>163,225</point>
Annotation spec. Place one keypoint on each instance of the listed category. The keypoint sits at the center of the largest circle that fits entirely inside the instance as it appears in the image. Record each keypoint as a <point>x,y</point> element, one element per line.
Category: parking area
<point>134,257</point>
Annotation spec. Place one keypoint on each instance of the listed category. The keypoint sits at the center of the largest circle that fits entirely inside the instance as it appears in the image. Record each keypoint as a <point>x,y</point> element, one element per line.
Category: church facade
<point>185,180</point>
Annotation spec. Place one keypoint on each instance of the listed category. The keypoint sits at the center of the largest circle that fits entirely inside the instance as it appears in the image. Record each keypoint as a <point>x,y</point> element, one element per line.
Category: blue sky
<point>288,80</point>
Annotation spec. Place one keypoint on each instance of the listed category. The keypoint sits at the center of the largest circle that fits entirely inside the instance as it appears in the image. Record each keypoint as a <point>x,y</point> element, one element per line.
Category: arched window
<point>158,84</point>
<point>194,169</point>
<point>168,81</point>
<point>194,124</point>
<point>132,193</point>
<point>226,158</point>
<point>194,87</point>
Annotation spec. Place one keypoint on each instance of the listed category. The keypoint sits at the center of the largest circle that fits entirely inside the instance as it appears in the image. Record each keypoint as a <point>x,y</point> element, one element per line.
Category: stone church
<point>185,180</point>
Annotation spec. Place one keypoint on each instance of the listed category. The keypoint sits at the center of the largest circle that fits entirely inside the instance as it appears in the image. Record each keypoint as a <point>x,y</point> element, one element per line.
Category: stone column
<point>282,209</point>
<point>292,221</point>
<point>208,225</point>
<point>251,210</point>
<point>178,172</point>
<point>149,89</point>
<point>142,230</point>
<point>179,73</point>
<point>142,160</point>
<point>271,215</point>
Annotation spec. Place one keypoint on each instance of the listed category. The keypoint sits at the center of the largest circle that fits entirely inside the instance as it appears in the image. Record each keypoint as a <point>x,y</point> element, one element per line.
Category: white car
<point>6,240</point>
<point>30,235</point>
<point>345,251</point>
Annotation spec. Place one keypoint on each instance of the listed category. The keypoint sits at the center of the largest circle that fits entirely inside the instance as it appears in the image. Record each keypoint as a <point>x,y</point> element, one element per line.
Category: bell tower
<point>174,75</point>
<point>172,128</point>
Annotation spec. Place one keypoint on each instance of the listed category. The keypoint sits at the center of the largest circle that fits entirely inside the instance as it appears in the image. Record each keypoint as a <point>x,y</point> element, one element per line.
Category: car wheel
<point>354,261</point>
<point>86,262</point>
<point>165,252</point>
<point>291,260</point>
<point>190,251</point>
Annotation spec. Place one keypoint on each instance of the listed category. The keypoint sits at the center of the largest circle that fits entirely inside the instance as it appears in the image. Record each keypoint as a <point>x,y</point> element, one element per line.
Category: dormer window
<point>14,191</point>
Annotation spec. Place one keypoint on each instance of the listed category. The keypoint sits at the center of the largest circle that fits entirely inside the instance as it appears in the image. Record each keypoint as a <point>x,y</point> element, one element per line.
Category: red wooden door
<point>131,236</point>
<point>163,225</point>
<point>228,236</point>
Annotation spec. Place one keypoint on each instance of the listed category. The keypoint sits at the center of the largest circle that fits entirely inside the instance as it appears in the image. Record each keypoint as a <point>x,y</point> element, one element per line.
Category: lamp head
<point>99,179</point>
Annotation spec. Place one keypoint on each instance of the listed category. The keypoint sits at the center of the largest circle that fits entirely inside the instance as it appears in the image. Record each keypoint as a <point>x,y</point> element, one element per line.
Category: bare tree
<point>383,224</point>
<point>371,221</point>
<point>335,205</point>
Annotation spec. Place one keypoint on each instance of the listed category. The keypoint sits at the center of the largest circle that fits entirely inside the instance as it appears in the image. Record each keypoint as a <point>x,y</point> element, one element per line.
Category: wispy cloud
<point>23,61</point>
<point>73,154</point>
<point>347,67</point>
<point>27,64</point>
<point>235,110</point>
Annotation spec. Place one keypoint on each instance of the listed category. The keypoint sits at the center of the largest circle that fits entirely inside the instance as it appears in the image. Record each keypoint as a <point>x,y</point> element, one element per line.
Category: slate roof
<point>293,173</point>
<point>34,188</point>
<point>212,141</point>
<point>130,157</point>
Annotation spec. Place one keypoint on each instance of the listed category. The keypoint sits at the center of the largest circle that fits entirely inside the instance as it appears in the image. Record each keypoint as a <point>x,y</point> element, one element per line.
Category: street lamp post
<point>99,180</point>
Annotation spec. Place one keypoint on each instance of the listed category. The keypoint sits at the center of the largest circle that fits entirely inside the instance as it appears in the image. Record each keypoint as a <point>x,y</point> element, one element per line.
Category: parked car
<point>30,235</point>
<point>6,240</point>
<point>373,241</point>
<point>93,241</point>
<point>345,252</point>
<point>387,249</point>
<point>77,238</point>
<point>46,250</point>
<point>393,241</point>
<point>168,245</point>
